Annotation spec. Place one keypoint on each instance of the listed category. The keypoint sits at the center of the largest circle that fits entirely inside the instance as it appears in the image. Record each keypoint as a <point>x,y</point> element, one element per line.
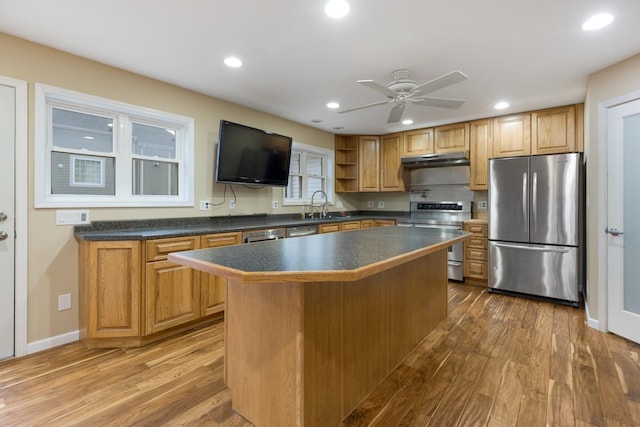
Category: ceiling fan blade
<point>440,82</point>
<point>378,88</point>
<point>438,102</point>
<point>396,113</point>
<point>365,106</point>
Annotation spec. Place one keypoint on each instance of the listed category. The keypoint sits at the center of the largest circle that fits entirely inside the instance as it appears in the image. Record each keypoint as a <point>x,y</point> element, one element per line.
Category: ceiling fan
<point>402,90</point>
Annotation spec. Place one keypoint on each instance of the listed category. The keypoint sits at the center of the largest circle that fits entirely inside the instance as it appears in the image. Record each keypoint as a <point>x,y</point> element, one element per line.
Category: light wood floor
<point>496,361</point>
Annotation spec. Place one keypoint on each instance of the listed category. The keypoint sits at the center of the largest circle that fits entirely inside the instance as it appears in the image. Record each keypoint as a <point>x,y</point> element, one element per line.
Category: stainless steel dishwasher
<point>262,235</point>
<point>301,230</point>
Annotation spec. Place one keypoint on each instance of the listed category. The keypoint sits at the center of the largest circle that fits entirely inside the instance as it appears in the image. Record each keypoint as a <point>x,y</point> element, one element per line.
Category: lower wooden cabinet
<point>338,226</point>
<point>131,295</point>
<point>475,251</point>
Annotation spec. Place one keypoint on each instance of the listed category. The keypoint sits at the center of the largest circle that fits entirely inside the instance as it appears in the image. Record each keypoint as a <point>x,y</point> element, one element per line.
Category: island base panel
<point>313,351</point>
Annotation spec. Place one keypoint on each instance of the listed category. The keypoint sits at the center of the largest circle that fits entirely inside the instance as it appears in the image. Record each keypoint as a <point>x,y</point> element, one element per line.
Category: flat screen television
<point>248,155</point>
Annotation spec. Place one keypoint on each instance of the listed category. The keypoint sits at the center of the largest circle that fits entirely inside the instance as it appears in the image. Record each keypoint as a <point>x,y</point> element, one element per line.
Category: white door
<point>623,220</point>
<point>7,220</point>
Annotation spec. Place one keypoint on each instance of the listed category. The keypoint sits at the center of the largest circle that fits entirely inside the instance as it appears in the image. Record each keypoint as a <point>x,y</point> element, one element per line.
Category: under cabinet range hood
<point>436,160</point>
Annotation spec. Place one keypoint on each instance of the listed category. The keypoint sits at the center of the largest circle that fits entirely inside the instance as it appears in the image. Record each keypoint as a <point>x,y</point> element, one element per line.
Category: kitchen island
<point>314,323</point>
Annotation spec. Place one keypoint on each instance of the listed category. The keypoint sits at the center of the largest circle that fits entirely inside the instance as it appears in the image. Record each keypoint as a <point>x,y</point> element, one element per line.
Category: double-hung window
<point>93,152</point>
<point>311,170</point>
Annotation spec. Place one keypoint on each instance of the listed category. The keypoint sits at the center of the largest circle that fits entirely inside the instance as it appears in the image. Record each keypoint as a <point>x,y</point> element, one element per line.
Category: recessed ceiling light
<point>233,62</point>
<point>407,122</point>
<point>598,21</point>
<point>336,8</point>
<point>333,105</point>
<point>501,105</point>
<point>88,137</point>
<point>338,127</point>
<point>316,121</point>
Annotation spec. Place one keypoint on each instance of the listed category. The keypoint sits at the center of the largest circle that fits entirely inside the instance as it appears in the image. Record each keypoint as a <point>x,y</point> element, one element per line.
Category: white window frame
<point>124,115</point>
<point>328,158</point>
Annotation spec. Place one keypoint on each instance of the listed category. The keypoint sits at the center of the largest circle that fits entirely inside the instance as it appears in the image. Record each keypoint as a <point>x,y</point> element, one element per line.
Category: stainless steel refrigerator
<point>536,225</point>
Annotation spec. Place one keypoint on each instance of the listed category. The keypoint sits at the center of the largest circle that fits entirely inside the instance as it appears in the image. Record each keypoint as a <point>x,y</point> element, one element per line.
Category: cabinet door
<point>480,139</point>
<point>367,223</point>
<point>418,142</point>
<point>110,289</point>
<point>212,287</point>
<point>553,130</point>
<point>329,228</point>
<point>511,136</point>
<point>369,163</point>
<point>391,170</point>
<point>172,295</point>
<point>452,138</point>
<point>350,225</point>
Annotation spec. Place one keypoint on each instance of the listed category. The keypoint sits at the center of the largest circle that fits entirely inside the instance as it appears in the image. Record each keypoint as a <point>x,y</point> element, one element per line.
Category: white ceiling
<point>532,54</point>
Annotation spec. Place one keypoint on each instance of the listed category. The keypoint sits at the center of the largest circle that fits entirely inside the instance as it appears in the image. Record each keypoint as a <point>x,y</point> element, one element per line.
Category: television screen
<point>252,156</point>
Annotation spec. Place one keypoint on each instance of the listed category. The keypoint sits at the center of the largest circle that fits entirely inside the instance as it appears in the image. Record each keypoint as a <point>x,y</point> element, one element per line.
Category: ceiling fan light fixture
<point>501,105</point>
<point>597,22</point>
<point>336,8</point>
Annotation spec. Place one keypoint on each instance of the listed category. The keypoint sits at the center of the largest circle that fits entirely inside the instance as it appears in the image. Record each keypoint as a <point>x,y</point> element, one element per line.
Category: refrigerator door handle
<point>534,199</point>
<point>525,206</point>
<point>532,248</point>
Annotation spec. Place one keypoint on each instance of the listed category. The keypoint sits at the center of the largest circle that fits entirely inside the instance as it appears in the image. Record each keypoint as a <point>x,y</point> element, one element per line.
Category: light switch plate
<point>72,217</point>
<point>381,205</point>
<point>64,302</point>
<point>482,204</point>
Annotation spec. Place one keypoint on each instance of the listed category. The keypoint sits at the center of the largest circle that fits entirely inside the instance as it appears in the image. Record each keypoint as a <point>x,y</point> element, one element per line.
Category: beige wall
<point>612,82</point>
<point>52,250</point>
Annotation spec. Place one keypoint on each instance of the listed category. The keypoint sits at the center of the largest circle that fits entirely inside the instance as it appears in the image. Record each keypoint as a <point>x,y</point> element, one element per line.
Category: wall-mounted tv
<point>248,155</point>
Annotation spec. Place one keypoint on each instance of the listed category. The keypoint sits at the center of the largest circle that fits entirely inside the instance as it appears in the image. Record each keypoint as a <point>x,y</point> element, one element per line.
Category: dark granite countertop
<point>193,226</point>
<point>333,256</point>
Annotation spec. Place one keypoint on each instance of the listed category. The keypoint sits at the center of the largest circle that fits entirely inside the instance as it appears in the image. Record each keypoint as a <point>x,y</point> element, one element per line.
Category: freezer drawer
<point>542,270</point>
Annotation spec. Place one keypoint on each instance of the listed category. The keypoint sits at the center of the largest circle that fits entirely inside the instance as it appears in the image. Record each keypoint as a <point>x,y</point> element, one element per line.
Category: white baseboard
<point>47,343</point>
<point>591,322</point>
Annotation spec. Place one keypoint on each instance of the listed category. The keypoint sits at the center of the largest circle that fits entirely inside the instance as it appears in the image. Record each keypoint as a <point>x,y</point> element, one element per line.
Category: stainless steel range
<point>441,214</point>
<point>440,198</point>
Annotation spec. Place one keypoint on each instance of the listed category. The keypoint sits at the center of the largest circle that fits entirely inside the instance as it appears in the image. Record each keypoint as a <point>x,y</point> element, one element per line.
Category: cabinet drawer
<point>475,269</point>
<point>476,254</point>
<point>478,229</point>
<point>351,225</point>
<point>477,243</point>
<point>329,228</point>
<point>158,249</point>
<point>221,239</point>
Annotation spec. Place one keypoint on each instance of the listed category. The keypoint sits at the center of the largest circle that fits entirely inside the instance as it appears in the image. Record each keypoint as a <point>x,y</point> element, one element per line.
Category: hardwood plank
<point>560,409</point>
<point>507,402</point>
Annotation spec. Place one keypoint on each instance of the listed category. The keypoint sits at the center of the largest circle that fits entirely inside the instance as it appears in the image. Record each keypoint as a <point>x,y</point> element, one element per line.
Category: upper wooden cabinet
<point>511,136</point>
<point>451,138</point>
<point>480,140</point>
<point>418,142</point>
<point>346,163</point>
<point>391,170</point>
<point>553,130</point>
<point>369,163</point>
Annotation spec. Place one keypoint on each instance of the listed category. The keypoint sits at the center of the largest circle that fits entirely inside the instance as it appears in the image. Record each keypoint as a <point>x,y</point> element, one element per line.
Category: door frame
<point>602,322</point>
<point>21,211</point>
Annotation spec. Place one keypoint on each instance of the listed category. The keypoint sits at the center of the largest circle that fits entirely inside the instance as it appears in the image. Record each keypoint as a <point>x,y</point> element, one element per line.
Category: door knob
<point>3,235</point>
<point>613,231</point>
<point>3,217</point>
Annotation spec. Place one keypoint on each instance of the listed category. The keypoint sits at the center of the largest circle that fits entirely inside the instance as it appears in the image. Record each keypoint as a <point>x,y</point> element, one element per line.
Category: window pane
<point>154,178</point>
<point>314,165</point>
<point>314,184</point>
<point>295,163</point>
<point>81,130</point>
<point>294,189</point>
<point>71,174</point>
<point>153,141</point>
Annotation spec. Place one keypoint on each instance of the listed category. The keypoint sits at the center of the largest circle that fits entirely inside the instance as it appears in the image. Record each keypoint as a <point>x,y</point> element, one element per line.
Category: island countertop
<point>346,256</point>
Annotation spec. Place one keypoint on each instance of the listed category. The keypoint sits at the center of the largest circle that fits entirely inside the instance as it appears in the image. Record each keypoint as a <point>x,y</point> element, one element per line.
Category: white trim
<point>22,212</point>
<point>603,129</point>
<point>329,173</point>
<point>47,343</point>
<point>591,322</point>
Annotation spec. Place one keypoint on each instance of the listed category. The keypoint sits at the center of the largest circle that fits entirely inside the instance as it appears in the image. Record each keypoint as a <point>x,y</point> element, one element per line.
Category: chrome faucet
<point>323,213</point>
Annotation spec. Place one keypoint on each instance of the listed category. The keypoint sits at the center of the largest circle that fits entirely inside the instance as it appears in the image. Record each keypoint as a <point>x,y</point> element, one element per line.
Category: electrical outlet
<point>64,302</point>
<point>274,204</point>
<point>482,204</point>
<point>339,204</point>
<point>370,204</point>
<point>380,205</point>
<point>205,205</point>
<point>232,204</point>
